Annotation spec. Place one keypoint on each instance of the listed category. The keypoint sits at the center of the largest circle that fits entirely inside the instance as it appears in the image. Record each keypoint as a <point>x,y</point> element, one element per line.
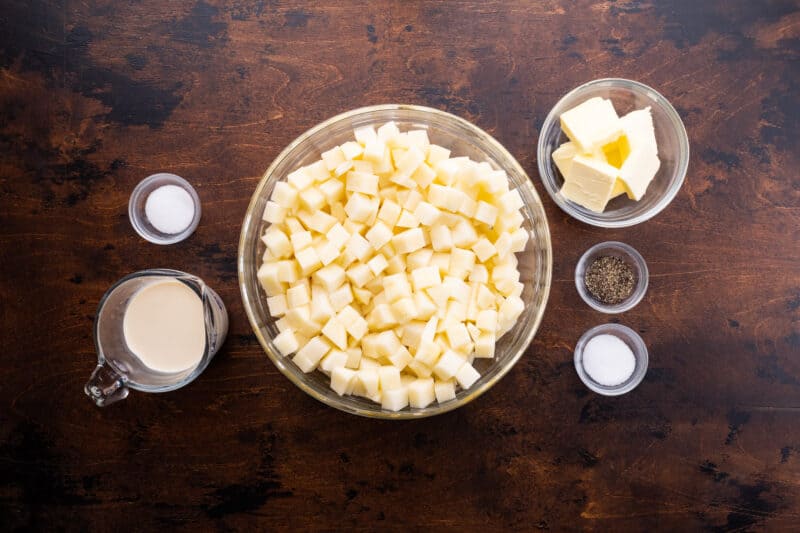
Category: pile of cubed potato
<point>390,266</point>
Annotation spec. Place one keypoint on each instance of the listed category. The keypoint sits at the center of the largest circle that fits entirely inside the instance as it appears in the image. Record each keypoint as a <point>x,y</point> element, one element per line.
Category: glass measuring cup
<point>118,368</point>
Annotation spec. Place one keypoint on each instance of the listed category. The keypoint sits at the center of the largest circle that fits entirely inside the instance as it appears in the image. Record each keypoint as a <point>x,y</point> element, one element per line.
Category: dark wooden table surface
<point>94,96</point>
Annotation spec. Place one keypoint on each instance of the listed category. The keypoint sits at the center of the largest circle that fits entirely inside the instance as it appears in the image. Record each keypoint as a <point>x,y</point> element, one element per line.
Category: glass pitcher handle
<point>105,386</point>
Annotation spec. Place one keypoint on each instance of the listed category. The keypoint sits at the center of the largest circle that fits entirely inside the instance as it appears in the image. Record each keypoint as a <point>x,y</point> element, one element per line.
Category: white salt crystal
<point>169,209</point>
<point>608,360</point>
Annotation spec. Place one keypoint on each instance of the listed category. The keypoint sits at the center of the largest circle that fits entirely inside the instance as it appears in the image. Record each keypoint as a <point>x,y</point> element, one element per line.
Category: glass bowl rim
<point>681,166</point>
<point>433,409</point>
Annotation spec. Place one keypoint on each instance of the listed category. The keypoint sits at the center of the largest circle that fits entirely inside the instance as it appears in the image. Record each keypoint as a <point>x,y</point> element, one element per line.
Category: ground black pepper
<point>610,280</point>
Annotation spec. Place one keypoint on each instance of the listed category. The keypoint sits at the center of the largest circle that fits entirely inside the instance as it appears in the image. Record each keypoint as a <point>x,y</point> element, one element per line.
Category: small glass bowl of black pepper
<point>611,277</point>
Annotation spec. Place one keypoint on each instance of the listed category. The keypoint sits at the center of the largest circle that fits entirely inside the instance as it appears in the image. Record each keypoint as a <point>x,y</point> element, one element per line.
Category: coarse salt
<point>608,360</point>
<point>170,209</point>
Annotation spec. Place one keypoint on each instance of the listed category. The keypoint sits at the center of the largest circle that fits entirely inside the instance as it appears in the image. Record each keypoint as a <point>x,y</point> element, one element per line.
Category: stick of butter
<point>592,124</point>
<point>590,183</point>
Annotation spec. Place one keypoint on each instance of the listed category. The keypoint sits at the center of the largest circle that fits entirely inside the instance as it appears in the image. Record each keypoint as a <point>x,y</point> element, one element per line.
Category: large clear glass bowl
<point>463,139</point>
<point>673,150</point>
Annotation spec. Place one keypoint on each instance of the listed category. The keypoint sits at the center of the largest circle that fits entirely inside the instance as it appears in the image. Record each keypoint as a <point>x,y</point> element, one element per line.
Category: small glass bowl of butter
<point>672,142</point>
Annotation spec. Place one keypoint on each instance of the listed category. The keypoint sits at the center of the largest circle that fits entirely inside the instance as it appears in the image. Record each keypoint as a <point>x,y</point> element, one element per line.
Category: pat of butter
<point>590,183</point>
<point>638,171</point>
<point>639,130</point>
<point>592,124</point>
<point>563,157</point>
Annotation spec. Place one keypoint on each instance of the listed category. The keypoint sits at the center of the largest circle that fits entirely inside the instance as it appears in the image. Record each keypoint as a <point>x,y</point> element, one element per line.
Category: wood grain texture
<point>95,96</point>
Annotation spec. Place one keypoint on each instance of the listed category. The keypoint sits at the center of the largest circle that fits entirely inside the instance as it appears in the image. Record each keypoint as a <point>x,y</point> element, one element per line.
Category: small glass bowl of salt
<point>164,209</point>
<point>611,359</point>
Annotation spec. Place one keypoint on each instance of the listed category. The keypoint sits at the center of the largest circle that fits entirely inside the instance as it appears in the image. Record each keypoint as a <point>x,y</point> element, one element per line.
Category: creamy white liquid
<point>164,326</point>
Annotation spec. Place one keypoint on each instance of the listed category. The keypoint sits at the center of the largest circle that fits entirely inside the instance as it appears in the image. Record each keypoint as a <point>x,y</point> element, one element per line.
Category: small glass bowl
<point>631,257</point>
<point>634,342</point>
<point>138,217</point>
<point>673,150</point>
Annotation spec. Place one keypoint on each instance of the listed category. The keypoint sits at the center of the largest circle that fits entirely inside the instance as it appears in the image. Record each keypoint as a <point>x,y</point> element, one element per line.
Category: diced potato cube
<point>334,359</point>
<point>407,220</point>
<point>273,213</point>
<point>341,297</point>
<point>359,274</point>
<point>358,247</point>
<point>484,249</point>
<point>394,400</point>
<point>487,320</point>
<point>425,277</point>
<point>362,296</point>
<point>286,342</point>
<point>362,182</point>
<point>424,305</point>
<point>331,276</point>
<point>448,365</point>
<point>457,335</point>
<point>445,391</point>
<point>389,213</point>
<point>389,378</point>
<point>408,241</point>
<point>277,242</point>
<point>321,309</point>
<point>332,190</point>
<point>441,238</point>
<point>519,239</point>
<point>397,263</point>
<point>315,350</point>
<point>298,295</point>
<point>396,286</point>
<point>378,263</point>
<point>318,171</point>
<point>333,158</point>
<point>312,198</point>
<point>419,259</point>
<point>388,131</point>
<point>308,260</point>
<point>423,176</point>
<point>464,234</point>
<point>486,213</point>
<point>437,153</point>
<point>353,322</point>
<point>360,207</point>
<point>510,201</point>
<point>284,195</point>
<point>342,380</point>
<point>300,240</point>
<point>484,346</point>
<point>336,333</point>
<point>268,277</point>
<point>354,358</point>
<point>338,236</point>
<point>277,305</point>
<point>419,369</point>
<point>404,310</point>
<point>467,376</point>
<point>378,235</point>
<point>327,253</point>
<point>400,358</point>
<point>365,134</point>
<point>421,393</point>
<point>300,179</point>
<point>351,149</point>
